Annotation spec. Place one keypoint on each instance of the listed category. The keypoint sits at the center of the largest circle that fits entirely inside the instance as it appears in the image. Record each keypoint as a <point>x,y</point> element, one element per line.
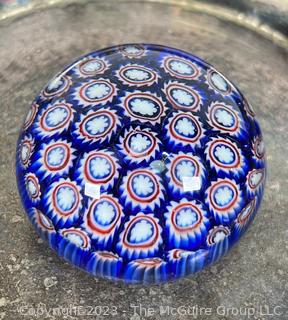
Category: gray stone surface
<point>253,275</point>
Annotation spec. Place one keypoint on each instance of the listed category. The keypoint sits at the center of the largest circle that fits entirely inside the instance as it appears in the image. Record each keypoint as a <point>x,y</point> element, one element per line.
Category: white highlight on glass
<point>191,183</point>
<point>92,190</point>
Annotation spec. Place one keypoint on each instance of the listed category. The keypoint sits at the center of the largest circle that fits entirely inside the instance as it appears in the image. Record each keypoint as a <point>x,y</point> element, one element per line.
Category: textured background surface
<point>254,274</point>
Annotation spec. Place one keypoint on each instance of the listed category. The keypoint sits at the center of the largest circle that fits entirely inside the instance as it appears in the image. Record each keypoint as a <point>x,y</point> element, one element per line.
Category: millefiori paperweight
<point>141,163</point>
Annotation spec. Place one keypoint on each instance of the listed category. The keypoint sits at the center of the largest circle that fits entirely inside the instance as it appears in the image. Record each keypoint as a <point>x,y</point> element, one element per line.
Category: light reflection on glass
<point>191,183</point>
<point>92,190</point>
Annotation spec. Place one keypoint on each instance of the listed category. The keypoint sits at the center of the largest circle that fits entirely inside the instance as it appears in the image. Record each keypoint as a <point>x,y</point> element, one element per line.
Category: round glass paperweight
<point>140,162</point>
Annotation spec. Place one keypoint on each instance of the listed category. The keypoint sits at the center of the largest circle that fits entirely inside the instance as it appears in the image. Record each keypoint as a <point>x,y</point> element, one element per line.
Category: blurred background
<point>247,40</point>
<point>271,12</point>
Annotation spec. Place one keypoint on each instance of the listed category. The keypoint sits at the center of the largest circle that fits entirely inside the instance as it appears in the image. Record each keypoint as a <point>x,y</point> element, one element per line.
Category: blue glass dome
<point>140,162</point>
